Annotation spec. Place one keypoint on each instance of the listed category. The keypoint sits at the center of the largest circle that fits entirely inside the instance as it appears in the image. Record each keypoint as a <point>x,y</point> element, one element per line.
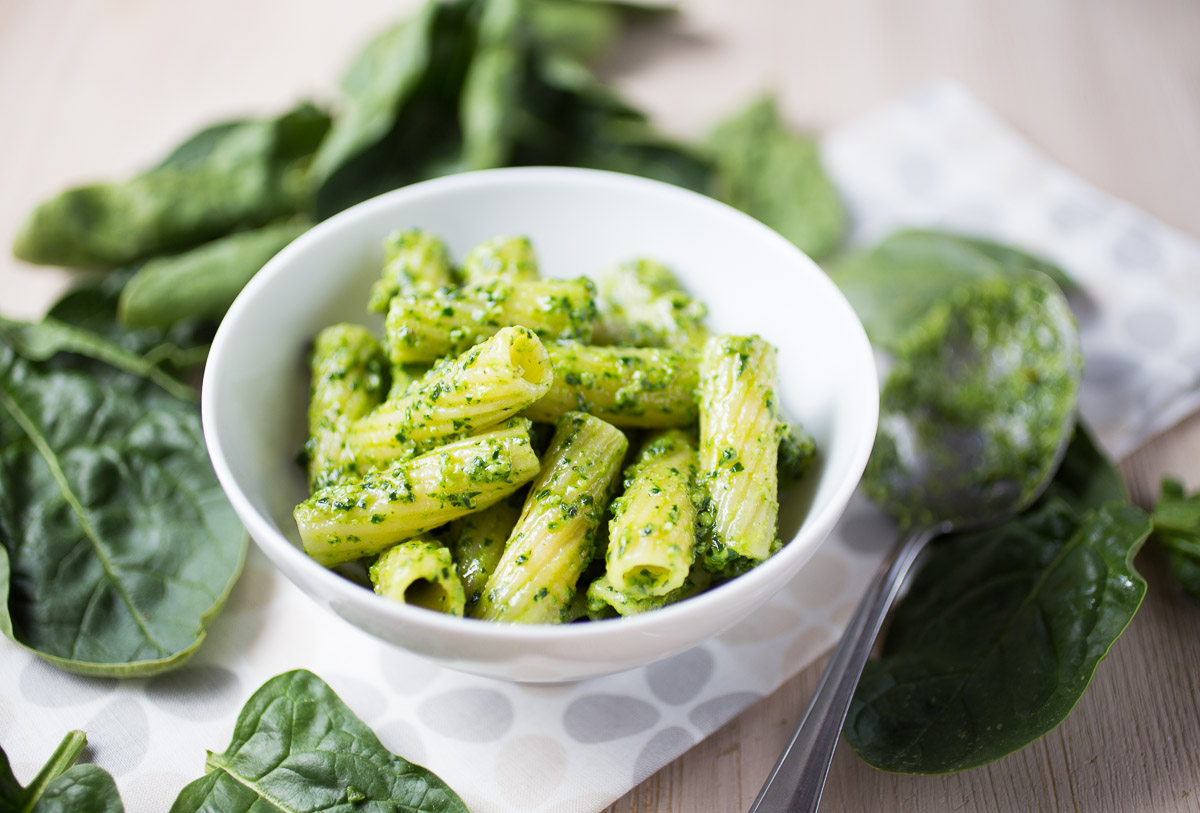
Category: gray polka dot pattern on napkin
<point>119,736</point>
<point>50,687</point>
<point>1136,250</point>
<point>403,739</point>
<point>663,747</point>
<point>680,678</point>
<point>1152,327</point>
<point>712,714</point>
<point>406,673</point>
<point>606,717</point>
<point>196,692</point>
<point>470,715</point>
<point>367,701</point>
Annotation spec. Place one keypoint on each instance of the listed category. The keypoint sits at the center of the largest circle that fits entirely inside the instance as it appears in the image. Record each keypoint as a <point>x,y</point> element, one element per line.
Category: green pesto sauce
<point>1000,360</point>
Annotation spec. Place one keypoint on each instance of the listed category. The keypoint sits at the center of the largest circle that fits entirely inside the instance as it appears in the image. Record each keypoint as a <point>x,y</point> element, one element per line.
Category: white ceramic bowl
<point>580,221</point>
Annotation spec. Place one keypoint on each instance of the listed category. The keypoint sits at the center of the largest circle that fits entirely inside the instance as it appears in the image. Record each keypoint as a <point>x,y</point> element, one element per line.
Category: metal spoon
<point>945,467</point>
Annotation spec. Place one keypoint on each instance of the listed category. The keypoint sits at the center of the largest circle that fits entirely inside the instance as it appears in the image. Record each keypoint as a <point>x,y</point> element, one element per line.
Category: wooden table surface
<point>1108,88</point>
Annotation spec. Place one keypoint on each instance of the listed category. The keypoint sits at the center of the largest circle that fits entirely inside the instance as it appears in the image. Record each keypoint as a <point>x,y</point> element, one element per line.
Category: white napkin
<point>934,157</point>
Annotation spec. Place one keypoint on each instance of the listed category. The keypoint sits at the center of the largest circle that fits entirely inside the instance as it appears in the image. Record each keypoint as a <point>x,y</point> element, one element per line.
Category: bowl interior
<point>580,222</point>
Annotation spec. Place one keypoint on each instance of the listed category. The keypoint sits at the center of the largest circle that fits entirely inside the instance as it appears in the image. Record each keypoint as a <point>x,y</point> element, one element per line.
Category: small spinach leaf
<point>59,787</point>
<point>894,284</point>
<point>774,174</point>
<point>119,545</point>
<point>233,176</point>
<point>1177,527</point>
<point>202,283</point>
<point>296,746</point>
<point>998,638</point>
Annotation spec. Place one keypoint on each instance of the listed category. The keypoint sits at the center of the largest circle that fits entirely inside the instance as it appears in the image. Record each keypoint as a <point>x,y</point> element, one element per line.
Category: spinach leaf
<point>296,746</point>
<point>202,283</point>
<point>45,339</point>
<point>1000,634</point>
<point>238,175</point>
<point>59,787</point>
<point>585,29</point>
<point>894,284</point>
<point>1177,527</point>
<point>92,305</point>
<point>490,107</point>
<point>400,116</point>
<point>774,174</point>
<point>117,544</point>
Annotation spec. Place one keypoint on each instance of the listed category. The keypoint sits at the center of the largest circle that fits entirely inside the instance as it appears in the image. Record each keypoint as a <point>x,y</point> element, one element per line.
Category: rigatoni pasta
<point>423,448</point>
<point>739,443</point>
<point>348,375</point>
<point>426,327</point>
<point>626,386</point>
<point>352,520</point>
<point>419,572</point>
<point>537,575</point>
<point>653,528</point>
<point>484,386</point>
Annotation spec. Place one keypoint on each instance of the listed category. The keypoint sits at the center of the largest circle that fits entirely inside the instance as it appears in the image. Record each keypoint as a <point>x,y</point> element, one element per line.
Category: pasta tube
<point>413,262</point>
<point>349,521</point>
<point>419,572</point>
<point>484,386</point>
<point>481,538</point>
<point>426,327</point>
<point>604,600</point>
<point>643,387</point>
<point>740,432</point>
<point>510,258</point>
<point>643,305</point>
<point>653,528</point>
<point>348,367</point>
<point>551,545</point>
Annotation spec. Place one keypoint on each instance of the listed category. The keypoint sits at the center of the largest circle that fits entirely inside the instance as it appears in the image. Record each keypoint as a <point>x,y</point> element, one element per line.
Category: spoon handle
<point>796,781</point>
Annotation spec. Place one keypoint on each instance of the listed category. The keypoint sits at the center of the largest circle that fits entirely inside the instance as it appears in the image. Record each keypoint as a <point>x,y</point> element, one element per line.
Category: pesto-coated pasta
<point>413,263</point>
<point>643,305</point>
<point>487,384</point>
<point>425,327</point>
<point>739,443</point>
<point>481,540</point>
<point>346,522</point>
<point>552,543</point>
<point>508,258</point>
<point>605,601</point>
<point>653,526</point>
<point>347,365</point>
<point>626,386</point>
<point>419,572</point>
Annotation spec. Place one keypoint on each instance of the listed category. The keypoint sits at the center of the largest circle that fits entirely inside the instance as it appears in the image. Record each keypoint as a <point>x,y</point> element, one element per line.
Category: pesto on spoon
<point>974,419</point>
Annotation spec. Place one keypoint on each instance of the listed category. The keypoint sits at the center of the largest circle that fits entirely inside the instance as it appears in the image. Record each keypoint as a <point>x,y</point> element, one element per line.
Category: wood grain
<point>1108,88</point>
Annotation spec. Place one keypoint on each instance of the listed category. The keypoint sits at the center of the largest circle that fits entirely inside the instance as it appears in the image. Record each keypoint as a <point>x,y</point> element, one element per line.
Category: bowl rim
<point>262,530</point>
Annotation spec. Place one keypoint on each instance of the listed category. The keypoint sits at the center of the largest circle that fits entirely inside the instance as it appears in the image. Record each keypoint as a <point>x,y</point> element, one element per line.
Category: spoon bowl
<point>975,418</point>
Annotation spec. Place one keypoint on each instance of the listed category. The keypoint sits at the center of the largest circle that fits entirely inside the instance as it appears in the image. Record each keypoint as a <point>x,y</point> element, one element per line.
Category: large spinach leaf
<point>61,786</point>
<point>1002,629</point>
<point>774,174</point>
<point>297,747</point>
<point>1177,528</point>
<point>893,284</point>
<point>235,175</point>
<point>118,546</point>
